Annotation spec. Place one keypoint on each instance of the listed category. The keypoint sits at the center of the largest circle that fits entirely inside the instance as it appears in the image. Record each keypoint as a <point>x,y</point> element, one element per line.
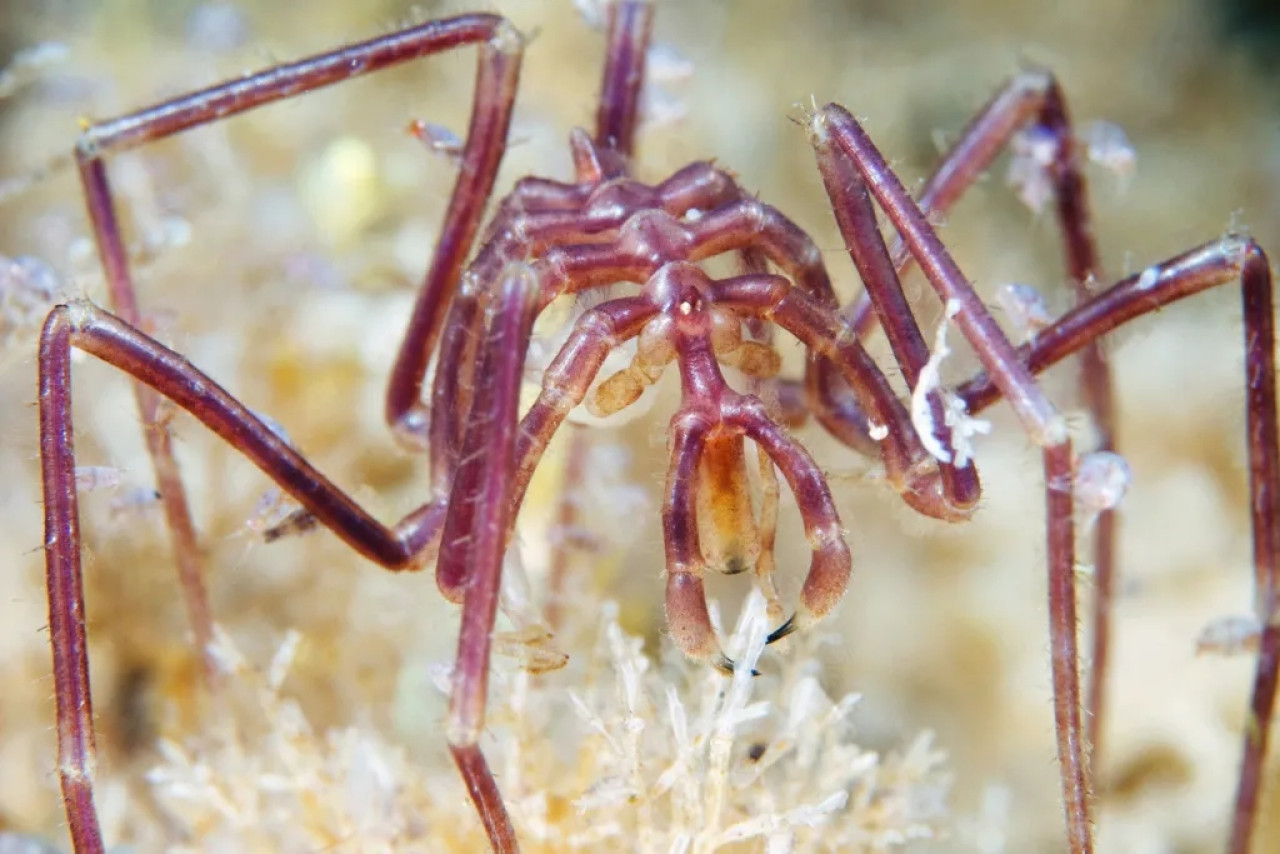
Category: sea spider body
<point>474,320</point>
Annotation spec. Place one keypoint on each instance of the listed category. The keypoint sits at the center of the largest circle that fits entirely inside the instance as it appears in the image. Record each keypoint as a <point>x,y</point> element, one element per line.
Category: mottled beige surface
<point>310,222</point>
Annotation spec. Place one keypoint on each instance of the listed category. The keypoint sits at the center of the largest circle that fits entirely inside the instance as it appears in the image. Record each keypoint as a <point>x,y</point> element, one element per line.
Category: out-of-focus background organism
<point>280,251</point>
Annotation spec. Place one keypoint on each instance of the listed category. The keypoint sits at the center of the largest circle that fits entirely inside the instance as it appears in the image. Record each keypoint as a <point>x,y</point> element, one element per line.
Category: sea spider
<point>619,230</point>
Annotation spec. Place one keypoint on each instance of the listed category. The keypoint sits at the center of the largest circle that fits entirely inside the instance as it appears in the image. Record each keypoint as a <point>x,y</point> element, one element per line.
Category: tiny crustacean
<point>473,320</point>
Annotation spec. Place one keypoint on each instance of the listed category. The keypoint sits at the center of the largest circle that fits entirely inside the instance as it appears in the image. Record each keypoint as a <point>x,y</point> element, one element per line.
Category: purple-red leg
<point>491,471</point>
<point>844,150</point>
<point>1264,493</point>
<point>484,503</point>
<point>857,220</point>
<point>630,25</point>
<point>1190,273</point>
<point>475,535</point>
<point>1034,99</point>
<point>165,373</point>
<point>498,69</point>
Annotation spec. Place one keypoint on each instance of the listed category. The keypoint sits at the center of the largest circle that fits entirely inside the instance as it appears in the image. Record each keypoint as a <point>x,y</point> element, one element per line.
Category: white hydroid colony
<point>618,752</point>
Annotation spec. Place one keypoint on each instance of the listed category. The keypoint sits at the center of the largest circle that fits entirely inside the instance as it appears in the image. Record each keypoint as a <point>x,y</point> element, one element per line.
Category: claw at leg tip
<point>727,666</point>
<point>783,630</point>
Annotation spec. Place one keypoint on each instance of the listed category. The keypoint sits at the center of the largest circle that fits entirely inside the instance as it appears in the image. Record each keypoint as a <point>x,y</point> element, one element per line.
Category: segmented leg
<point>846,156</point>
<point>165,373</point>
<point>1225,261</point>
<point>475,537</point>
<point>497,73</point>
<point>1190,273</point>
<point>487,478</point>
<point>407,545</point>
<point>482,460</point>
<point>1031,102</point>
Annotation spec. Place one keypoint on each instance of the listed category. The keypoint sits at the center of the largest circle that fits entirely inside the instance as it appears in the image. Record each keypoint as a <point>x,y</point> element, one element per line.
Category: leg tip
<point>727,666</point>
<point>783,630</point>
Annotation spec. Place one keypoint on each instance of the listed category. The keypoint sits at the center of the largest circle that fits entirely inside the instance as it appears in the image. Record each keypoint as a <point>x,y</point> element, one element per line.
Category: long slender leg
<point>83,326</point>
<point>475,538</point>
<point>857,220</point>
<point>1264,492</point>
<point>497,75</point>
<point>498,69</point>
<point>630,23</point>
<point>1095,381</point>
<point>1031,95</point>
<point>1262,706</point>
<point>1188,274</point>
<point>837,137</point>
<point>76,751</point>
<point>1195,271</point>
<point>563,386</point>
<point>406,546</point>
<point>1035,97</point>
